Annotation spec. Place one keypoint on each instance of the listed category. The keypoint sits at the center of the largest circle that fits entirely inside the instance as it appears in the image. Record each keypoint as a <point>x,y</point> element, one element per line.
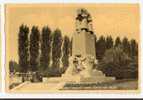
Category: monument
<point>83,53</point>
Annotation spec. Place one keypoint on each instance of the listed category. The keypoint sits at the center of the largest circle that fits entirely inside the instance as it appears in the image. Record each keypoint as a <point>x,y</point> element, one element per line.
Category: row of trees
<point>103,44</point>
<point>119,58</point>
<point>44,51</point>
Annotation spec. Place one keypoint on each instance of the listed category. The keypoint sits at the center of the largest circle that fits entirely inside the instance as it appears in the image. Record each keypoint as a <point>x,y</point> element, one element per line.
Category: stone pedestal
<point>81,70</point>
<point>83,53</point>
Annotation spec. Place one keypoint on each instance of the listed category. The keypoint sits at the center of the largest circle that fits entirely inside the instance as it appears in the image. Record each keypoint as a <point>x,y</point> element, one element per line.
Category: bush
<point>118,64</point>
<point>13,67</point>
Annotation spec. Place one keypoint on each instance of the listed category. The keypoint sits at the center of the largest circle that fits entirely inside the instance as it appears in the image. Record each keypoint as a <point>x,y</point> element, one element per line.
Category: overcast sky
<point>108,19</point>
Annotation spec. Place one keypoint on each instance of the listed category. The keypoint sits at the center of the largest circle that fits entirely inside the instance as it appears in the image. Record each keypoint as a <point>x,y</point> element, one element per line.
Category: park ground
<point>62,86</point>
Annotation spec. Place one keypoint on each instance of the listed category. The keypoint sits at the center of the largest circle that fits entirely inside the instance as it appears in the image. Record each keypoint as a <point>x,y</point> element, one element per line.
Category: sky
<point>108,19</point>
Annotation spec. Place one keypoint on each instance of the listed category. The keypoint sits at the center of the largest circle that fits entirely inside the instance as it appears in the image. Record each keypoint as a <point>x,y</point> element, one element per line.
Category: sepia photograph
<point>72,47</point>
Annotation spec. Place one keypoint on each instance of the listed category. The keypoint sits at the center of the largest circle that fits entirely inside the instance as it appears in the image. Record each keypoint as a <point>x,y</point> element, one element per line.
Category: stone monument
<point>83,53</point>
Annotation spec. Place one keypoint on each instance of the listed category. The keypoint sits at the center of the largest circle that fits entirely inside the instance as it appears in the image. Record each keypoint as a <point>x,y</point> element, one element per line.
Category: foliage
<point>117,63</point>
<point>117,42</point>
<point>13,66</point>
<point>117,58</point>
<point>34,48</point>
<point>66,52</point>
<point>133,48</point>
<point>23,48</point>
<point>126,45</point>
<point>45,49</point>
<point>56,51</point>
<point>100,47</point>
<point>109,42</point>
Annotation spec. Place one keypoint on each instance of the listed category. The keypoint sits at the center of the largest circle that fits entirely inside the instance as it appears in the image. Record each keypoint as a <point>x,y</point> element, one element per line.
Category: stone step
<point>98,79</point>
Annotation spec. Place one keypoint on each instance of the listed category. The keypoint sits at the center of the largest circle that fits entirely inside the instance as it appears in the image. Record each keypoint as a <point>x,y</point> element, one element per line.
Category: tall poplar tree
<point>100,47</point>
<point>134,57</point>
<point>45,49</point>
<point>56,51</point>
<point>66,52</point>
<point>126,46</point>
<point>34,48</point>
<point>133,48</point>
<point>23,48</point>
<point>109,42</point>
<point>117,42</point>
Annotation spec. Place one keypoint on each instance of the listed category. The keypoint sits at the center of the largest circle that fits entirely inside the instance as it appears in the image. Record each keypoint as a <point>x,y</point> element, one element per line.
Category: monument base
<point>83,71</point>
<point>95,77</point>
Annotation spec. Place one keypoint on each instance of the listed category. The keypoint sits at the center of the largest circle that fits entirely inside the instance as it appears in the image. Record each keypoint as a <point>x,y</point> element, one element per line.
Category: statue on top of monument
<point>83,21</point>
<point>81,14</point>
